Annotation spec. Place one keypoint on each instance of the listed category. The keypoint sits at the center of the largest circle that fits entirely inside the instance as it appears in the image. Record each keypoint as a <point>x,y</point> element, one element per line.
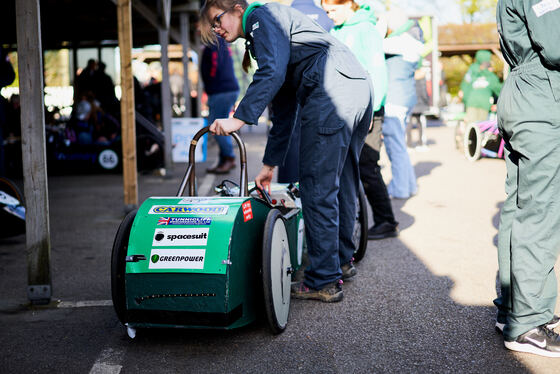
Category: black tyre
<point>118,266</point>
<point>472,142</point>
<point>360,234</point>
<point>9,187</point>
<point>276,272</point>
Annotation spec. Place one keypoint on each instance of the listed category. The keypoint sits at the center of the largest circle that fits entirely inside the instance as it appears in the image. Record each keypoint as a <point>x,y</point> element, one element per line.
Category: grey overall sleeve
<point>542,22</point>
<point>271,48</point>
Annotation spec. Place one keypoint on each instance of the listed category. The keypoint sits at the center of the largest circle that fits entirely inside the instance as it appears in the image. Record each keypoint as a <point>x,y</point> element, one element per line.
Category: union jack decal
<point>163,220</point>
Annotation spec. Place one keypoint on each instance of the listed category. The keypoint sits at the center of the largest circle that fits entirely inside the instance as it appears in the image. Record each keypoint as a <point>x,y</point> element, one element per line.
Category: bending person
<point>301,66</point>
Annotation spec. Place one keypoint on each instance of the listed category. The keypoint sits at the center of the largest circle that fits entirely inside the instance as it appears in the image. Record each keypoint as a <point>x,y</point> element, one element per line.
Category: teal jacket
<point>363,39</point>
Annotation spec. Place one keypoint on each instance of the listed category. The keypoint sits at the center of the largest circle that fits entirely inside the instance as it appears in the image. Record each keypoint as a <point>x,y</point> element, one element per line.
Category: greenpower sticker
<point>189,209</point>
<point>177,258</point>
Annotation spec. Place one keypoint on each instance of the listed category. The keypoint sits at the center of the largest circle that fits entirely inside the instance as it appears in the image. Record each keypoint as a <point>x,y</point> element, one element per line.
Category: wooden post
<point>28,19</point>
<point>184,17</point>
<point>166,100</point>
<point>128,128</point>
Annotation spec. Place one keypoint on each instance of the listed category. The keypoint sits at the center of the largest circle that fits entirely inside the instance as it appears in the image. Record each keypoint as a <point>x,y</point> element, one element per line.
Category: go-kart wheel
<point>276,271</point>
<point>11,189</point>
<point>118,266</point>
<point>473,142</point>
<point>359,237</point>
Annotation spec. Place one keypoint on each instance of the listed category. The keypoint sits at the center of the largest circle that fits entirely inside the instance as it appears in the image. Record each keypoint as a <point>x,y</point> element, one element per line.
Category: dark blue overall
<point>315,82</point>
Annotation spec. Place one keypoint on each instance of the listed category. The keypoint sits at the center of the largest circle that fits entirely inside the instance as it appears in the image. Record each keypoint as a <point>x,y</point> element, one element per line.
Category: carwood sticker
<point>247,211</point>
<point>176,258</point>
<point>195,221</point>
<point>200,210</point>
<point>180,237</point>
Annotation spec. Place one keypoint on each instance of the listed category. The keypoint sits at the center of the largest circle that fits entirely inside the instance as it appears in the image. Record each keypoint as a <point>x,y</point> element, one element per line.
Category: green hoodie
<point>363,39</point>
<point>466,84</point>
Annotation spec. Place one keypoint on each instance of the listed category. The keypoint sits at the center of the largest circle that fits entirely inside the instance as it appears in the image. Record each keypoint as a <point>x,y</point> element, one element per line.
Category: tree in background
<point>477,10</point>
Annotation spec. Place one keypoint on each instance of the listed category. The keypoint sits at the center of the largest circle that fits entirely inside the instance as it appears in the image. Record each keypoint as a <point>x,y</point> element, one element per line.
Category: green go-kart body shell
<point>195,262</point>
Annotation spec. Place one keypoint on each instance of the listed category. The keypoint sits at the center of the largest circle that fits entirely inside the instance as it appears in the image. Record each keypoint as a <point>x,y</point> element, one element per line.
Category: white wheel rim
<point>279,266</point>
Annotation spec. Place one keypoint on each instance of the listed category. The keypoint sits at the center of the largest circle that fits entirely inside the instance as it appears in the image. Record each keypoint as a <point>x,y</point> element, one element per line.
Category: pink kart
<point>483,139</point>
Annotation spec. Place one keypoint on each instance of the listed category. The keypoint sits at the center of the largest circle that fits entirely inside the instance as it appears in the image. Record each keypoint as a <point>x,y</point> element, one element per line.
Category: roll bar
<point>190,173</point>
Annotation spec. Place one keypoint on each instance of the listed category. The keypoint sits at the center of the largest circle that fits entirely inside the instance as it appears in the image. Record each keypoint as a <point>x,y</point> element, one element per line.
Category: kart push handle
<point>190,173</point>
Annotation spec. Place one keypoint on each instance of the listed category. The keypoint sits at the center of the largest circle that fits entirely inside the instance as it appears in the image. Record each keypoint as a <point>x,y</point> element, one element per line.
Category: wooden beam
<point>184,18</point>
<point>128,128</point>
<point>33,145</point>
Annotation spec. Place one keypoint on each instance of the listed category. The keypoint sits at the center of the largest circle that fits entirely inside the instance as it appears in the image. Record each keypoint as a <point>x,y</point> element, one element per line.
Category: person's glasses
<point>217,22</point>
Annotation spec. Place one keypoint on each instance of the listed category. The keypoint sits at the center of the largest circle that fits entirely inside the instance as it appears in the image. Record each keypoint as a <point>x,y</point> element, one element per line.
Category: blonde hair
<point>354,6</point>
<point>208,35</point>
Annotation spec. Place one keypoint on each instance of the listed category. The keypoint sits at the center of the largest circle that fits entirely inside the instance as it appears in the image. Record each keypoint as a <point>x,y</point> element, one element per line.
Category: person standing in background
<point>85,82</point>
<point>104,91</point>
<point>221,86</point>
<point>466,84</point>
<point>402,48</point>
<point>485,85</point>
<point>529,122</point>
<point>314,12</point>
<point>355,27</point>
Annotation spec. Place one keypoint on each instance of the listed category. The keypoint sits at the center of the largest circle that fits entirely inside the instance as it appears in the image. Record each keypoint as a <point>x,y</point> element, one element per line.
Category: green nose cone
<point>155,258</point>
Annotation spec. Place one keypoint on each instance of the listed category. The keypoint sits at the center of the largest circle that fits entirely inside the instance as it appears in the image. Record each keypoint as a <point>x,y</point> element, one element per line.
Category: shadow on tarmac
<point>397,316</point>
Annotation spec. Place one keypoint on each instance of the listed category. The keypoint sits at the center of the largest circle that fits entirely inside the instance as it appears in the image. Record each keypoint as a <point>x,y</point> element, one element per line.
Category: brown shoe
<point>213,168</point>
<point>224,167</point>
<point>331,293</point>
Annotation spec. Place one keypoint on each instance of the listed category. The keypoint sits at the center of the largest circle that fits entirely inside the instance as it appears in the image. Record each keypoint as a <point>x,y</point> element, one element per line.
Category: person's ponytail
<point>246,60</point>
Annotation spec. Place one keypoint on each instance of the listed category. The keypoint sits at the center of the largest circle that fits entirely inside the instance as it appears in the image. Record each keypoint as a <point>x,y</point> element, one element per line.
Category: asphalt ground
<point>421,302</point>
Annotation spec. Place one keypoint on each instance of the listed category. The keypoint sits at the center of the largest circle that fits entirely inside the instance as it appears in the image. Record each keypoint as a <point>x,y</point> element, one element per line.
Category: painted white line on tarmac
<point>108,362</point>
<point>206,185</point>
<point>84,303</point>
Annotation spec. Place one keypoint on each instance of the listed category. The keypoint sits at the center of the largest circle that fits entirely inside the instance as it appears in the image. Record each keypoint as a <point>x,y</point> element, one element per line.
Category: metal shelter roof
<point>81,23</point>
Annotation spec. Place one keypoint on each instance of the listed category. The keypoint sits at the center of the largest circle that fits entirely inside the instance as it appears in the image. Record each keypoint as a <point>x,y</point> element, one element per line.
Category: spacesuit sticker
<point>247,211</point>
<point>180,237</point>
<point>545,6</point>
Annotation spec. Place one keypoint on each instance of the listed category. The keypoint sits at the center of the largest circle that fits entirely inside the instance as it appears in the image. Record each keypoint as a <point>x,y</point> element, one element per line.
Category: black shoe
<point>551,325</point>
<point>540,341</point>
<point>383,230</point>
<point>348,271</point>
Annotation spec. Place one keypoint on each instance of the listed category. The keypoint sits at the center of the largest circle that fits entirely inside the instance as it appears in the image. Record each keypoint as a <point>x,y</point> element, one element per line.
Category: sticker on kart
<point>180,237</point>
<point>192,209</point>
<point>184,221</point>
<point>176,258</point>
